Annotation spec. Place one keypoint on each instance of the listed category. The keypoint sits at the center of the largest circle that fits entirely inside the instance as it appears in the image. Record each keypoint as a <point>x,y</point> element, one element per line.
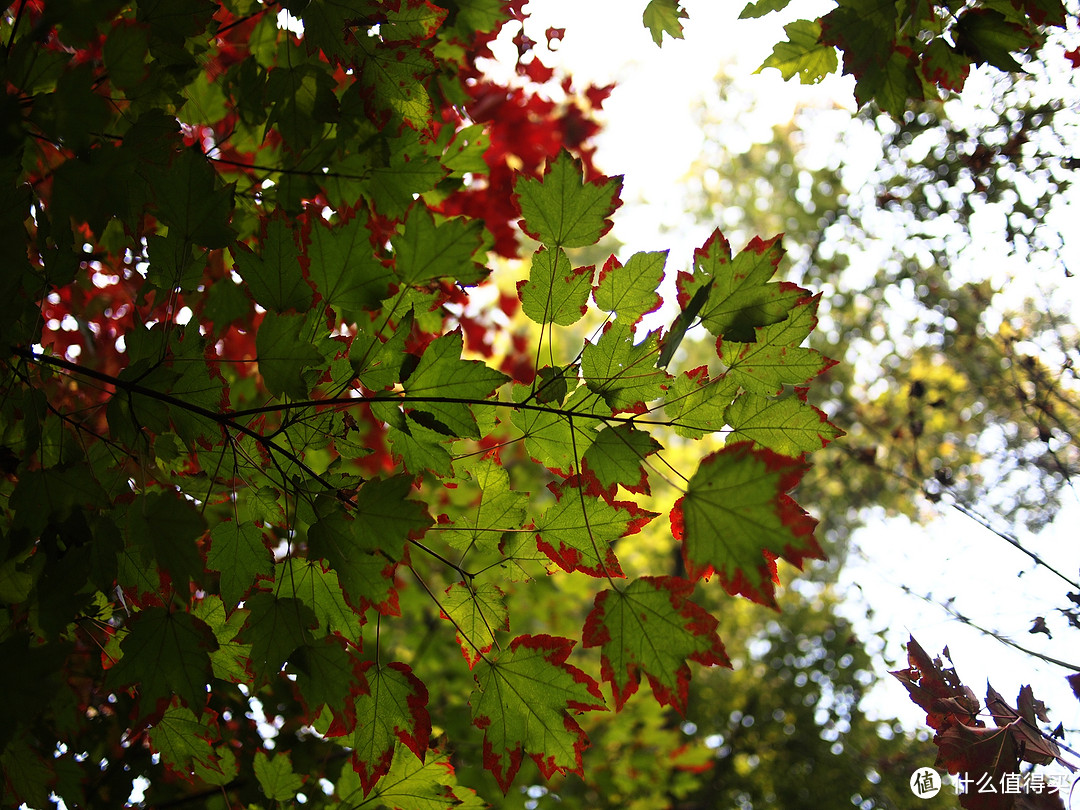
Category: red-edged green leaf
<point>741,296</point>
<point>409,785</point>
<point>622,372</point>
<point>166,654</point>
<point>555,292</point>
<point>577,532</point>
<point>943,66</point>
<point>522,701</point>
<point>230,659</point>
<point>393,709</point>
<point>696,404</point>
<point>275,627</point>
<point>561,209</point>
<point>239,552</point>
<point>790,426</point>
<point>664,17</point>
<point>442,374</point>
<point>776,359</point>
<point>802,54</point>
<point>329,673</point>
<point>392,83</point>
<point>549,437</point>
<point>630,290</point>
<point>277,780</point>
<point>412,21</point>
<point>477,612</point>
<point>500,509</point>
<point>652,627</point>
<point>617,458</point>
<point>736,519</point>
<point>321,591</point>
<point>184,741</point>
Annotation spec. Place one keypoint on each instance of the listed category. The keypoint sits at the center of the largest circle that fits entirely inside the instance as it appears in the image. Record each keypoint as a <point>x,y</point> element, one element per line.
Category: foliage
<point>260,451</point>
<point>954,390</point>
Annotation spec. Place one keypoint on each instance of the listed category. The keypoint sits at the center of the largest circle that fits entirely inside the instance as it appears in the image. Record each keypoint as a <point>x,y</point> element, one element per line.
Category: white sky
<point>650,137</point>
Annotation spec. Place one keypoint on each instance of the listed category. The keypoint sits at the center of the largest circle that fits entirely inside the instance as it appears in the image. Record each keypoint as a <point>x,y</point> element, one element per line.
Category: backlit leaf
<point>476,613</point>
<point>522,701</point>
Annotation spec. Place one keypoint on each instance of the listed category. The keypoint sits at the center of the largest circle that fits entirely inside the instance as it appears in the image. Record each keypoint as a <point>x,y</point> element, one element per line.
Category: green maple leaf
<point>163,528</point>
<point>412,21</point>
<point>760,8</point>
<point>477,612</point>
<point>391,79</point>
<point>276,777</point>
<point>376,362</point>
<point>273,275</point>
<point>630,290</point>
<point>230,659</point>
<point>555,439</point>
<point>184,741</point>
<point>696,404</point>
<point>561,209</point>
<point>522,701</point>
<point>802,54</point>
<point>419,448</point>
<point>577,532</point>
<point>327,26</point>
<point>426,251</point>
<point>329,673</point>
<point>409,171</point>
<point>274,629</point>
<point>943,66</point>
<point>651,626</point>
<point>988,37</point>
<point>775,359</point>
<point>741,297</point>
<point>555,292</point>
<point>617,458</point>
<point>342,265</point>
<point>790,426</point>
<point>392,709</point>
<point>165,654</point>
<point>664,17</point>
<point>285,351</point>
<point>500,509</point>
<point>319,590</point>
<point>623,373</point>
<point>736,519</point>
<point>190,199</point>
<point>363,547</point>
<point>408,785</point>
<point>441,374</point>
<point>239,552</point>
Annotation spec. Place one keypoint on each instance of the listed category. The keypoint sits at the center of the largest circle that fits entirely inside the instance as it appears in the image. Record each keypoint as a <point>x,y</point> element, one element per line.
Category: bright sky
<point>651,138</point>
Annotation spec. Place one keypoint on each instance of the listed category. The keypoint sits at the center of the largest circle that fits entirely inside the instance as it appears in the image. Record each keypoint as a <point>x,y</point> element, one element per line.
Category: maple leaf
<point>342,265</point>
<point>561,209</point>
<point>623,373</point>
<point>522,701</point>
<point>477,612</point>
<point>736,519</point>
<point>802,54</point>
<point>426,252</point>
<point>630,290</point>
<point>500,508</point>
<point>409,784</point>
<point>696,404</point>
<point>166,653</point>
<point>577,532</point>
<point>184,741</point>
<point>238,551</point>
<point>617,458</point>
<point>664,17</point>
<point>276,777</point>
<point>555,292</point>
<point>442,375</point>
<point>651,626</point>
<point>392,709</point>
<point>741,296</point>
<point>775,358</point>
<point>790,425</point>
<point>329,673</point>
<point>274,629</point>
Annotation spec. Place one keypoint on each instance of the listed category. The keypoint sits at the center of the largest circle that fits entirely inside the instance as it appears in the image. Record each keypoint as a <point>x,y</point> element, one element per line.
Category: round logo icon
<point>925,783</point>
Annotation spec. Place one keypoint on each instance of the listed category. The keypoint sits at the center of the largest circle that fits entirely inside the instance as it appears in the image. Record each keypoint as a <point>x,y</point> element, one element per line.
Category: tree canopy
<point>302,499</point>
